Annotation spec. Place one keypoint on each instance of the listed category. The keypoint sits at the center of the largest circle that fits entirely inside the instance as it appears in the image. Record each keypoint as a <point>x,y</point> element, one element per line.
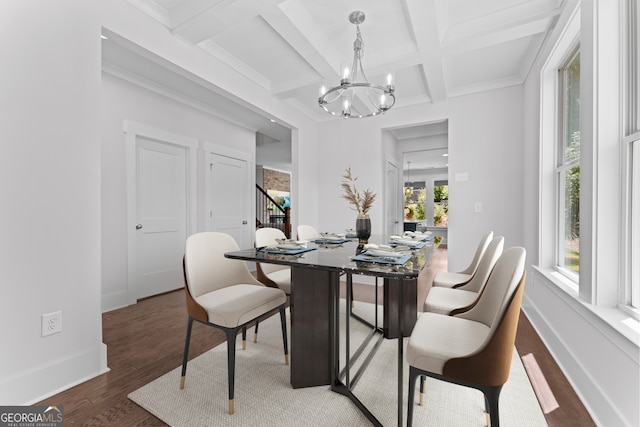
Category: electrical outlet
<point>51,323</point>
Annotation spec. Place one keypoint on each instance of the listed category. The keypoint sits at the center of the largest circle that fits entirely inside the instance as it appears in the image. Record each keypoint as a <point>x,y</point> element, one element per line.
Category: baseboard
<point>46,380</point>
<point>596,400</point>
<point>115,300</point>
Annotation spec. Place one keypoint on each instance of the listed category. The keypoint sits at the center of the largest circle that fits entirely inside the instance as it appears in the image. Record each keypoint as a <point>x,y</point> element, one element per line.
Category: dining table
<point>317,269</point>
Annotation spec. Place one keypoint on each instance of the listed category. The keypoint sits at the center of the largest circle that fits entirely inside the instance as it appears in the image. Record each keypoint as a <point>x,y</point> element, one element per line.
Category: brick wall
<point>274,180</point>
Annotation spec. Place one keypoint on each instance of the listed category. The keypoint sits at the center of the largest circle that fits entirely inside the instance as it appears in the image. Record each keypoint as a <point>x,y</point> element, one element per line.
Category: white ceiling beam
<point>186,10</point>
<point>513,22</point>
<point>499,36</point>
<point>152,9</point>
<point>217,18</point>
<point>424,22</point>
<point>294,24</point>
<point>216,51</point>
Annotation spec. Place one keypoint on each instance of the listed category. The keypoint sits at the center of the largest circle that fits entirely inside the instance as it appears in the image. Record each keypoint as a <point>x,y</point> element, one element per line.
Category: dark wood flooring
<point>146,340</point>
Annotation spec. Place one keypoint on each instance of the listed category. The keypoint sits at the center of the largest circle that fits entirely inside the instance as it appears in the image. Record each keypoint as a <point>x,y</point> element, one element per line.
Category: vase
<point>363,228</point>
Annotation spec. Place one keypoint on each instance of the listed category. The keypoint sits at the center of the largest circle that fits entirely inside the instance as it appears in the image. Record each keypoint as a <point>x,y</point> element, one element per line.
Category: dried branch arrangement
<point>361,202</point>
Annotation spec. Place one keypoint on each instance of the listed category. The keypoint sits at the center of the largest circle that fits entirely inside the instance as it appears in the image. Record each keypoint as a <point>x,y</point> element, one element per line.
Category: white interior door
<point>161,208</point>
<point>392,201</point>
<point>160,197</point>
<point>229,196</point>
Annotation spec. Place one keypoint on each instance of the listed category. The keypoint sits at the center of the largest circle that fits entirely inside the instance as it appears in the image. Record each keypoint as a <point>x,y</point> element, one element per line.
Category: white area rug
<point>264,396</point>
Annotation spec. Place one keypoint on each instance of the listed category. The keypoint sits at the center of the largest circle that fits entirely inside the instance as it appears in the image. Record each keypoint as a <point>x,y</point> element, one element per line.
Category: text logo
<point>31,416</point>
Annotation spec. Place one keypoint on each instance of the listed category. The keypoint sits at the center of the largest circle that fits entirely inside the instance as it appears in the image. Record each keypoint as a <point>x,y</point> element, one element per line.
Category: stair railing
<point>270,214</point>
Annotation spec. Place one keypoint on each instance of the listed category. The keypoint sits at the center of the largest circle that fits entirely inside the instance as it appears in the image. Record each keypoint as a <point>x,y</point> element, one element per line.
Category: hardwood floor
<point>146,340</point>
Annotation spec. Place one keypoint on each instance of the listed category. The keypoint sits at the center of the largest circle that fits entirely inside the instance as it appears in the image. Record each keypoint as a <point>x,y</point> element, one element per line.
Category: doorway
<point>161,207</point>
<point>424,152</point>
<point>227,178</point>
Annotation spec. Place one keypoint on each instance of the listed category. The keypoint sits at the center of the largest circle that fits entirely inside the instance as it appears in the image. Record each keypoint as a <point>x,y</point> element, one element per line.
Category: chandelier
<point>369,99</point>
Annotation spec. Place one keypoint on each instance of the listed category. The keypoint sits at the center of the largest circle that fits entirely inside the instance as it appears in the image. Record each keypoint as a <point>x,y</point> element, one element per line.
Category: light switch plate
<point>462,176</point>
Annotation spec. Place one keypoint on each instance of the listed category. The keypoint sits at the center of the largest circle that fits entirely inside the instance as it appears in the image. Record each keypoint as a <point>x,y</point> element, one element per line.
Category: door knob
<point>244,222</point>
<point>138,226</point>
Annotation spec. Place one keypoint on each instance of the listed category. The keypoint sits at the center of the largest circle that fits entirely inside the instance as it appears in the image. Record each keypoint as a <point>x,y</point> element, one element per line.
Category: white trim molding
<point>595,357</point>
<point>132,131</point>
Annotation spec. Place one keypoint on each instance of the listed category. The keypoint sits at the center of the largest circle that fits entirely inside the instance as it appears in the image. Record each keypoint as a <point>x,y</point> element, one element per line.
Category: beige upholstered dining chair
<point>222,293</point>
<point>274,275</point>
<point>307,232</point>
<point>474,348</point>
<point>448,279</point>
<point>446,300</point>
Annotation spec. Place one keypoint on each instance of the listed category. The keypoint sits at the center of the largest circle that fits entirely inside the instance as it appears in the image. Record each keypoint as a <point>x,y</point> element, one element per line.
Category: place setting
<point>331,239</point>
<point>287,247</point>
<point>383,254</point>
<point>410,239</point>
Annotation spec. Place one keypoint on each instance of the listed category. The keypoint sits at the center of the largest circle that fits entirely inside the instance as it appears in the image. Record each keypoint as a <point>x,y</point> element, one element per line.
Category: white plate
<point>406,242</point>
<point>332,237</point>
<point>289,246</point>
<point>374,252</point>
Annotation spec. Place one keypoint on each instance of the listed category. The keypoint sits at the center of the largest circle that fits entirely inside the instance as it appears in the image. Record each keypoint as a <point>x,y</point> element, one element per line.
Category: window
<point>633,299</point>
<point>441,203</point>
<point>630,298</point>
<point>415,197</point>
<point>633,37</point>
<point>568,169</point>
<point>589,170</point>
<point>560,161</point>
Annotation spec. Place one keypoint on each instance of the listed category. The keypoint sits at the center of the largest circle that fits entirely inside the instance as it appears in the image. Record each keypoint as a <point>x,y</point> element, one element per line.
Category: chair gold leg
<point>181,382</point>
<point>488,419</point>
<point>244,344</point>
<point>421,400</point>
<point>286,359</point>
<point>230,406</point>
<point>255,337</point>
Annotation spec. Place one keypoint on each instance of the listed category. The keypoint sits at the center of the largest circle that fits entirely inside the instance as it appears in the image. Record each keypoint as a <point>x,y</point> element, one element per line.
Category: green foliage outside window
<point>440,193</point>
<point>440,207</point>
<point>569,176</point>
<point>414,202</point>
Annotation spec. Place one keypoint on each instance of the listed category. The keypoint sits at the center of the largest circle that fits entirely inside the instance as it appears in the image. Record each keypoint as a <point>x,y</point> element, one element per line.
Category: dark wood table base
<point>311,338</point>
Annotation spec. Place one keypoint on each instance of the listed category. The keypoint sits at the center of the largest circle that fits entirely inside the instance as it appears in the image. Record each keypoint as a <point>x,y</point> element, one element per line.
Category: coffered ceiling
<point>438,48</point>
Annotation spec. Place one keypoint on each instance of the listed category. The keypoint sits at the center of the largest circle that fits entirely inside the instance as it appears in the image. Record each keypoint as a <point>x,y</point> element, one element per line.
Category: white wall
<point>122,101</point>
<point>51,216</point>
<point>600,362</point>
<point>127,21</point>
<point>50,186</point>
<point>51,180</point>
<point>355,143</point>
<point>485,142</point>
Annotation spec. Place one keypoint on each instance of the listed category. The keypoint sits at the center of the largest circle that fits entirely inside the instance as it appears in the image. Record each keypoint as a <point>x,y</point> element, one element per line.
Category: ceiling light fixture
<point>370,99</point>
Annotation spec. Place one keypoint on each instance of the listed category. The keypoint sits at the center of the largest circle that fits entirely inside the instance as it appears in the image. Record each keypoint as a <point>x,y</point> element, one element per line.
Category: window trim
<point>601,150</point>
<point>630,158</point>
<point>563,165</point>
<point>631,206</point>
<point>551,130</point>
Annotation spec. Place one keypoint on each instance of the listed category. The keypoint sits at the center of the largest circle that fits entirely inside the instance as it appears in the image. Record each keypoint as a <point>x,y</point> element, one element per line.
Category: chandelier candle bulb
<point>346,74</point>
<point>383,102</point>
<point>345,108</point>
